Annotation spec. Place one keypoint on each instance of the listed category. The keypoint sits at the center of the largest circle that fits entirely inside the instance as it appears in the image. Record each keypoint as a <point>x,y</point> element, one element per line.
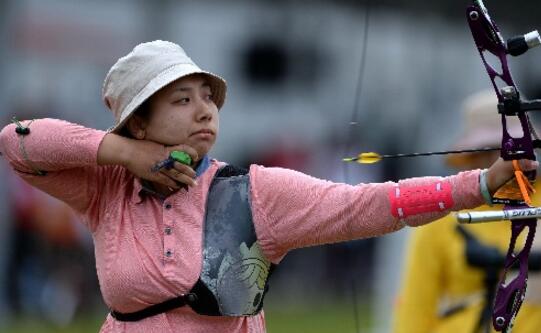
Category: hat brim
<point>482,138</point>
<point>217,84</point>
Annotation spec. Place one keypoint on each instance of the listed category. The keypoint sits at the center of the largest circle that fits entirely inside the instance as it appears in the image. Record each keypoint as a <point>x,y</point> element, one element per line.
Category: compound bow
<point>487,37</point>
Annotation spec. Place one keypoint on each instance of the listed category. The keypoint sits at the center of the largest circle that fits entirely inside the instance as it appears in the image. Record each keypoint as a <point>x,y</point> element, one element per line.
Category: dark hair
<point>143,111</point>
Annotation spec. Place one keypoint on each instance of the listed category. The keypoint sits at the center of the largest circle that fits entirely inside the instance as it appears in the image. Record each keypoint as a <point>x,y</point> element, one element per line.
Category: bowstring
<point>532,128</point>
<point>353,123</point>
<point>352,129</point>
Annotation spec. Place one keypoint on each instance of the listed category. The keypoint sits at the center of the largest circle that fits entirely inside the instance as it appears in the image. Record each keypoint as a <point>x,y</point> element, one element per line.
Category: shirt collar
<point>143,188</point>
<point>202,166</point>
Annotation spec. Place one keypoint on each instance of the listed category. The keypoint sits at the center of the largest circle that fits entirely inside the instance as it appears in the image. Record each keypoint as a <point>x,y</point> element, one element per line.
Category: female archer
<point>186,243</point>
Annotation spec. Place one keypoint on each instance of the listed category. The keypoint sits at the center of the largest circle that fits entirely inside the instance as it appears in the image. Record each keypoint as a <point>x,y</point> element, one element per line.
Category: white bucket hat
<point>145,70</point>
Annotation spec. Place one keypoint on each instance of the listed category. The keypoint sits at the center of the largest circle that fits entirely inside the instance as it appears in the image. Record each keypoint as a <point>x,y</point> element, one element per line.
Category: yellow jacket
<point>437,274</point>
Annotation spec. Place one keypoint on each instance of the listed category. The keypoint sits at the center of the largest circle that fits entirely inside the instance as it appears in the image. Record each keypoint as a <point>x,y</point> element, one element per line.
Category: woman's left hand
<point>502,171</point>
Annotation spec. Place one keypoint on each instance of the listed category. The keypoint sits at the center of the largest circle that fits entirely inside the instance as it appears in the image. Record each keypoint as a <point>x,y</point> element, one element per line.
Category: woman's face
<point>183,112</point>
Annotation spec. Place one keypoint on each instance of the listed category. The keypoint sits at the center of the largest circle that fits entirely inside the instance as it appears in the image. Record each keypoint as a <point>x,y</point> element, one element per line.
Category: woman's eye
<point>182,100</point>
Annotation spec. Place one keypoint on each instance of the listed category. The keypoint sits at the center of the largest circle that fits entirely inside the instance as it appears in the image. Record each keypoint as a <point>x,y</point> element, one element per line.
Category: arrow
<point>372,157</point>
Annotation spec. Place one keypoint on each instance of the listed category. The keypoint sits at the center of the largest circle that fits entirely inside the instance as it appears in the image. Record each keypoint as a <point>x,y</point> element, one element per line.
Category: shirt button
<point>168,206</point>
<point>168,230</point>
<point>168,253</point>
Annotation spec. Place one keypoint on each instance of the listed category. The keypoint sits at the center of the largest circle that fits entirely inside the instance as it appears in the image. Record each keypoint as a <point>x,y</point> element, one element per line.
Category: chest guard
<point>234,275</point>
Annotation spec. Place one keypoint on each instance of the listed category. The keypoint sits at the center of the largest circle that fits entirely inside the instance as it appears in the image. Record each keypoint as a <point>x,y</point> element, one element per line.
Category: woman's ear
<point>136,125</point>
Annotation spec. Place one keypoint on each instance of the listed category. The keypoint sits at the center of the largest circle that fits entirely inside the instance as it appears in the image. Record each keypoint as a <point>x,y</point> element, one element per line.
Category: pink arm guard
<point>412,200</point>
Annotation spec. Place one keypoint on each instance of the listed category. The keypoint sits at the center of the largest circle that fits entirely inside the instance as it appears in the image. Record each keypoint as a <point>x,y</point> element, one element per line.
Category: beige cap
<point>482,125</point>
<point>481,121</point>
<point>145,70</point>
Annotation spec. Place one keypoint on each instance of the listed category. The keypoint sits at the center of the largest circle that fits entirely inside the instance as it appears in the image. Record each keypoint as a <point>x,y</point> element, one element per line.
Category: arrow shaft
<point>447,152</point>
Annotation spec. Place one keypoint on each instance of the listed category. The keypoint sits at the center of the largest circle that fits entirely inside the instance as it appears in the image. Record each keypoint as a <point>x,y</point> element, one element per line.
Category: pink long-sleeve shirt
<point>149,250</point>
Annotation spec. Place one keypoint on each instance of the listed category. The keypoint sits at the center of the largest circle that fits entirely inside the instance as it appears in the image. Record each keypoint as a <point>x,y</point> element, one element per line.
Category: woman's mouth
<point>204,133</point>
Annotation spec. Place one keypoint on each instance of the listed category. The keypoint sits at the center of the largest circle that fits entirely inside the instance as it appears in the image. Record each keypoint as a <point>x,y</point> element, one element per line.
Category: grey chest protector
<point>234,276</point>
<point>234,271</point>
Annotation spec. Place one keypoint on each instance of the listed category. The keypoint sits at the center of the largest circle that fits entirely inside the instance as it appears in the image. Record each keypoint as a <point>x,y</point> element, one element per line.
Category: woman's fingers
<point>180,177</point>
<point>185,169</point>
<point>501,171</point>
<point>528,165</point>
<point>166,180</point>
<point>183,173</point>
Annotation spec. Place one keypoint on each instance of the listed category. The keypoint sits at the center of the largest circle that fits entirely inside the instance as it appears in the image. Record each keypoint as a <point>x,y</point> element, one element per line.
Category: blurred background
<point>293,71</point>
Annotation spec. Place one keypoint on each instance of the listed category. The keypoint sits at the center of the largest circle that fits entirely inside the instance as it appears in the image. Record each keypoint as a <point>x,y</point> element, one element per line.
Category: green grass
<point>30,325</point>
<point>324,318</point>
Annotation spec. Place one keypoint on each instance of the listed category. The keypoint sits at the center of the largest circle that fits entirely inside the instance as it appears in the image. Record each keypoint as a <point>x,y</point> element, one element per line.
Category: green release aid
<point>174,156</point>
<point>180,157</point>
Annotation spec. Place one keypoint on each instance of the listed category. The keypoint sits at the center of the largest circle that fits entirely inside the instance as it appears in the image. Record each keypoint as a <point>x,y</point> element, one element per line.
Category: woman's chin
<point>202,148</point>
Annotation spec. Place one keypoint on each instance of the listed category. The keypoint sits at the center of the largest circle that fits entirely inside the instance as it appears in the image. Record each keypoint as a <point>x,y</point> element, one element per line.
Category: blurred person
<point>5,229</point>
<point>48,257</point>
<point>452,289</point>
<point>48,252</point>
<point>186,243</point>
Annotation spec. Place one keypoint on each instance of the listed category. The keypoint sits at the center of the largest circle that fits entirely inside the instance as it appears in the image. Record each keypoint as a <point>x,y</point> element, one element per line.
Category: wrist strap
<point>484,188</point>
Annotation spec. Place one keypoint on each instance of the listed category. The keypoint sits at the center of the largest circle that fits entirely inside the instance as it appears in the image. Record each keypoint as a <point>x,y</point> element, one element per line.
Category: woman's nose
<point>204,110</point>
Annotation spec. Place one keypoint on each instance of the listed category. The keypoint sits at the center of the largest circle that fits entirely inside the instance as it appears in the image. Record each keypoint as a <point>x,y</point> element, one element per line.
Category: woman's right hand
<point>140,156</point>
<point>146,154</point>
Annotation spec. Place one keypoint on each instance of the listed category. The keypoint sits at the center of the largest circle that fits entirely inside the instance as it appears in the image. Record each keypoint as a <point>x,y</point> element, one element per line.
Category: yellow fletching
<point>364,158</point>
<point>368,158</point>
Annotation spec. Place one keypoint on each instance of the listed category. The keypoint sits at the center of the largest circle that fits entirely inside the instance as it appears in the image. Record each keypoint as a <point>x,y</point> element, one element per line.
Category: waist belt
<point>153,310</point>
